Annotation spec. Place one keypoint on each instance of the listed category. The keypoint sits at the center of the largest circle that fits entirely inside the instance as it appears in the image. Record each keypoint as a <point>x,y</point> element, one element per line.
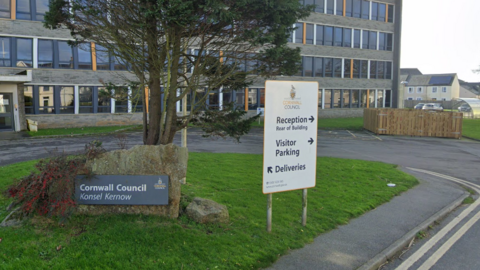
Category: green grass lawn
<point>76,131</point>
<point>355,123</point>
<point>345,189</point>
<point>471,128</point>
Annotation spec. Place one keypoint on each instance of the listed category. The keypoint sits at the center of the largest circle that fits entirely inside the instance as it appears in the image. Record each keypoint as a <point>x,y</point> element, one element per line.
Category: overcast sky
<point>442,36</point>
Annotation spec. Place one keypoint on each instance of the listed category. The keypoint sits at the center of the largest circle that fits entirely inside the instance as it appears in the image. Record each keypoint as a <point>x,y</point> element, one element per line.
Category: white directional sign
<point>290,142</point>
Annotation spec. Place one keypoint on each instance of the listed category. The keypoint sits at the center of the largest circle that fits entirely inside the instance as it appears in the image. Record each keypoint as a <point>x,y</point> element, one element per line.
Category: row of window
<point>420,90</point>
<point>353,98</point>
<point>19,52</point>
<point>362,9</point>
<point>342,37</point>
<point>419,98</point>
<point>61,100</point>
<point>33,10</point>
<point>345,68</point>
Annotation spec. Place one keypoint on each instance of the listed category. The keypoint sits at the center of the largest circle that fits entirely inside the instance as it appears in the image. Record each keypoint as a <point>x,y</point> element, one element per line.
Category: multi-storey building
<point>351,47</point>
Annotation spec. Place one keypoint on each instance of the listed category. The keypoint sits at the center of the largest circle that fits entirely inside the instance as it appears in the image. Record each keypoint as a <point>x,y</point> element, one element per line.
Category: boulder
<point>168,160</point>
<point>207,211</point>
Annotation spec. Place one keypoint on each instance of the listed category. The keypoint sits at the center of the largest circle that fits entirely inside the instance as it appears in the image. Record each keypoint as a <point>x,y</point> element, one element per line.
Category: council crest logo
<point>293,93</point>
<point>160,184</point>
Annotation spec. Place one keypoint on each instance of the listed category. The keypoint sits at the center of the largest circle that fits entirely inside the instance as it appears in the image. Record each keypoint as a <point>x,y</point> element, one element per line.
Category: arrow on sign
<point>311,119</point>
<point>269,170</point>
<point>310,141</point>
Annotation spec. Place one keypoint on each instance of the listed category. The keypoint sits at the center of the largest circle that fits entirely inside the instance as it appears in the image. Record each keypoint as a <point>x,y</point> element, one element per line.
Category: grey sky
<point>442,36</point>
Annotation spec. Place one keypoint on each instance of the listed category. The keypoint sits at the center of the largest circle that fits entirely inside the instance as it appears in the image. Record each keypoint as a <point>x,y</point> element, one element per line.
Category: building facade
<point>350,47</point>
<point>431,87</point>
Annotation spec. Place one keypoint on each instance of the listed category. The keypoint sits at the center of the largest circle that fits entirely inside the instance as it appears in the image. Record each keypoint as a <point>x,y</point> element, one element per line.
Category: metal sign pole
<point>269,212</point>
<point>304,203</point>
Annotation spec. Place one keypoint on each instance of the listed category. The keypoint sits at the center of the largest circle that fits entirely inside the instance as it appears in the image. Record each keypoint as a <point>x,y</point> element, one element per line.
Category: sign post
<point>290,139</point>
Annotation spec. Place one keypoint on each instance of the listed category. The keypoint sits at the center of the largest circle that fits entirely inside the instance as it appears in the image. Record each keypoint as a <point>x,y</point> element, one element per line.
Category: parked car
<point>464,108</point>
<point>433,107</point>
<point>419,106</point>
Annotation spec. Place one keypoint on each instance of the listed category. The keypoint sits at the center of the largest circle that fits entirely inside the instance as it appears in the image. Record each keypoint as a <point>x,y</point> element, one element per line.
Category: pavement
<point>368,241</point>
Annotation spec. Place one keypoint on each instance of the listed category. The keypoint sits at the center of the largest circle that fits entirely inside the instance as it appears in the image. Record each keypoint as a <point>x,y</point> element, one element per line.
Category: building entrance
<point>6,112</point>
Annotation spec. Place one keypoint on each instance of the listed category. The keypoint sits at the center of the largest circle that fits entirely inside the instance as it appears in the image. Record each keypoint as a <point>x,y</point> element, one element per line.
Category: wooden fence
<point>413,123</point>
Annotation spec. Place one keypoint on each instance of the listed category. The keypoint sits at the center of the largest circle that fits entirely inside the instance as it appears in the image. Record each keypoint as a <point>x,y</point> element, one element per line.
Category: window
<point>45,99</point>
<point>239,99</point>
<point>365,39</point>
<point>364,69</point>
<point>330,6</point>
<point>347,68</point>
<point>320,6</point>
<point>365,9</point>
<point>84,56</point>
<point>67,99</point>
<point>42,8</point>
<point>103,101</point>
<point>338,36</point>
<point>85,96</point>
<point>252,99</point>
<point>336,99</point>
<point>23,10</point>
<point>390,13</point>
<point>434,89</point>
<point>388,71</point>
<point>347,37</point>
<point>337,67</point>
<point>5,9</point>
<point>45,53</point>
<point>382,12</point>
<point>319,36</point>
<point>410,90</point>
<point>444,89</point>
<point>121,100</point>
<point>309,37</point>
<point>374,11</point>
<point>103,58</point>
<point>5,52</point>
<point>373,69</point>
<point>380,99</point>
<point>444,99</point>
<point>380,70</point>
<point>328,36</point>
<point>31,9</point>
<point>318,67</point>
<point>357,8</point>
<point>299,33</point>
<point>348,8</point>
<point>372,43</point>
<point>356,69</point>
<point>339,10</point>
<point>120,64</point>
<point>382,41</point>
<point>28,99</point>
<point>307,66</point>
<point>24,52</point>
<point>137,100</point>
<point>419,98</point>
<point>328,66</point>
<point>65,55</point>
<point>328,99</point>
<point>419,89</point>
<point>389,42</point>
<point>356,38</point>
<point>410,98</point>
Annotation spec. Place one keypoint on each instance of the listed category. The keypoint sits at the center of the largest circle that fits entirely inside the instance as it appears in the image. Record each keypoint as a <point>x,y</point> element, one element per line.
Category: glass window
<point>137,100</point>
<point>363,98</point>
<point>328,36</point>
<point>434,89</point>
<point>67,99</point>
<point>365,39</point>
<point>444,89</point>
<point>364,69</point>
<point>382,12</point>
<point>28,99</point>
<point>319,36</point>
<point>389,42</point>
<point>410,90</point>
<point>45,53</point>
<point>240,99</point>
<point>355,98</point>
<point>307,66</point>
<point>65,55</point>
<point>330,6</point>
<point>262,97</point>
<point>5,52</point>
<point>374,11</point>
<point>357,8</point>
<point>5,9</point>
<point>388,98</point>
<point>372,43</point>
<point>373,69</point>
<point>320,98</point>
<point>390,13</point>
<point>382,41</point>
<point>45,99</point>
<point>347,68</point>
<point>365,9</point>
<point>320,6</point>
<point>309,38</point>
<point>318,67</point>
<point>23,10</point>
<point>84,56</point>
<point>380,99</point>
<point>103,58</point>
<point>380,70</point>
<point>252,99</point>
<point>42,8</point>
<point>336,99</point>
<point>339,10</point>
<point>356,38</point>
<point>388,70</point>
<point>348,8</point>
<point>338,36</point>
<point>328,66</point>
<point>120,64</point>
<point>85,96</point>
<point>299,33</point>
<point>346,99</point>
<point>121,100</point>
<point>356,69</point>
<point>419,90</point>
<point>347,37</point>
<point>103,101</point>
<point>24,52</point>
<point>337,67</point>
<point>328,99</point>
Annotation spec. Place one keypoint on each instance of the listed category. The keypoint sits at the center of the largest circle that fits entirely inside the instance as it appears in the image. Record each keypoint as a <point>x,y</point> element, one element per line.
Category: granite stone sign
<point>122,190</point>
